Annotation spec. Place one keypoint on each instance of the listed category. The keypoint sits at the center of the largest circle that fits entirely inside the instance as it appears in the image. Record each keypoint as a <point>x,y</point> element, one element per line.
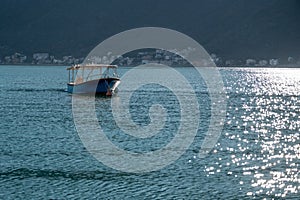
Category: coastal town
<point>144,57</point>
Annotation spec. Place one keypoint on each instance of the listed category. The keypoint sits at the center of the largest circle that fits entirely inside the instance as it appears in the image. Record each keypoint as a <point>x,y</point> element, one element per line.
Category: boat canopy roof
<point>91,66</point>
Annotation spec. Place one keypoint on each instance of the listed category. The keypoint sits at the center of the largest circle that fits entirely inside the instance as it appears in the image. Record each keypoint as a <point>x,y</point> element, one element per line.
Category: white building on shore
<point>273,62</point>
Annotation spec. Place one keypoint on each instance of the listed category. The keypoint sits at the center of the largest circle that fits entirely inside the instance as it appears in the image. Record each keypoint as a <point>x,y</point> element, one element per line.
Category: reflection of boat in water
<point>93,79</point>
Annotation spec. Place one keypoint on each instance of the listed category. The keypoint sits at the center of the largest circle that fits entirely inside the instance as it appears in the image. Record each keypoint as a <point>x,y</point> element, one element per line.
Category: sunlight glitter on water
<point>262,131</point>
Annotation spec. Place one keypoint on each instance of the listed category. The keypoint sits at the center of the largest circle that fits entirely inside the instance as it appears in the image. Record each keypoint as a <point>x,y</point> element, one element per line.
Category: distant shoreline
<point>28,64</point>
<point>279,66</point>
<point>234,66</point>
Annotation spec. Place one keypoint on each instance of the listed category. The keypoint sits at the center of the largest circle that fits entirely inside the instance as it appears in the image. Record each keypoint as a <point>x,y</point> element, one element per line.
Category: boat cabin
<point>83,73</point>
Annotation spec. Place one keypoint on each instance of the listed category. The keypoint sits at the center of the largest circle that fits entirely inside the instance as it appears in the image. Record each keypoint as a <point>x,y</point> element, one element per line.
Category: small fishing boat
<point>93,79</point>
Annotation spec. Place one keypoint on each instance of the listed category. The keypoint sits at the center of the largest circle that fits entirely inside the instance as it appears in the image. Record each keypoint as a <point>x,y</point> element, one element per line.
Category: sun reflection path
<point>262,132</point>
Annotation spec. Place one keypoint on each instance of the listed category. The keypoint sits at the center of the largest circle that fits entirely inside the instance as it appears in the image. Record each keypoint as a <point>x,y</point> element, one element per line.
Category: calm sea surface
<point>257,155</point>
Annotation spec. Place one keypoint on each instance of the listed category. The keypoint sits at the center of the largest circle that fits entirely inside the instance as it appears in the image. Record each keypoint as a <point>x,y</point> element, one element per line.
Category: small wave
<point>37,90</point>
<point>76,175</point>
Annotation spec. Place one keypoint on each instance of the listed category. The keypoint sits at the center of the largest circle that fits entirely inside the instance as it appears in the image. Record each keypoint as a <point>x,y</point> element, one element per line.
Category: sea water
<point>256,156</point>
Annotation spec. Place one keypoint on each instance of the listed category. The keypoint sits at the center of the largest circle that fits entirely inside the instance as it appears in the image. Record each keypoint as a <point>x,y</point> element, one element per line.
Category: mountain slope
<point>230,28</point>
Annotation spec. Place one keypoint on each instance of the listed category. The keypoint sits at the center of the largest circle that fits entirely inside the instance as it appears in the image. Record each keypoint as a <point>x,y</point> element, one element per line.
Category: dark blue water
<point>257,155</point>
